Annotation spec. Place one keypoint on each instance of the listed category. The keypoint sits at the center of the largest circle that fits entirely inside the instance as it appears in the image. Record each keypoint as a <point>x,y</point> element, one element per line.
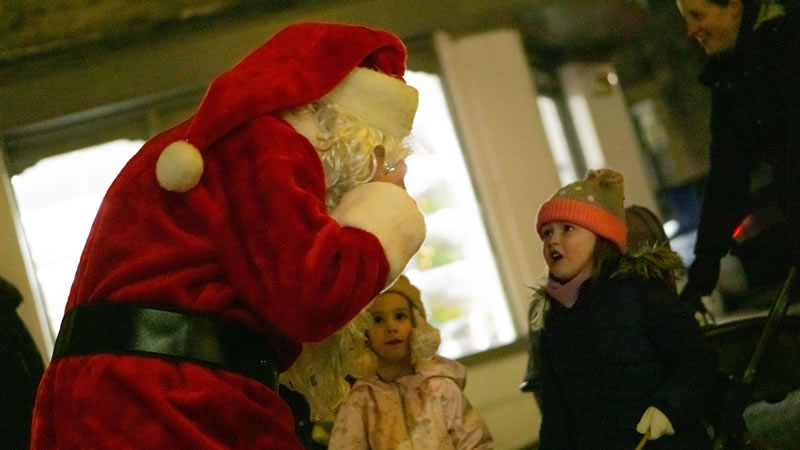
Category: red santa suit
<point>247,240</point>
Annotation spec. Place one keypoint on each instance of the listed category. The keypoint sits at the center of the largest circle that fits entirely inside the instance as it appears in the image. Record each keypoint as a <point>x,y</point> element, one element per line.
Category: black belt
<point>124,328</point>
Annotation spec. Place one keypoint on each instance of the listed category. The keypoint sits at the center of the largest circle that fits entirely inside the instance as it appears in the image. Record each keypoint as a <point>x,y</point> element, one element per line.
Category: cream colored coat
<point>426,410</point>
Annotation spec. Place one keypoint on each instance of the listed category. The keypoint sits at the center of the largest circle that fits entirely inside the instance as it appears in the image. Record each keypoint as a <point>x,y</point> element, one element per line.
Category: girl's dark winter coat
<point>625,345</point>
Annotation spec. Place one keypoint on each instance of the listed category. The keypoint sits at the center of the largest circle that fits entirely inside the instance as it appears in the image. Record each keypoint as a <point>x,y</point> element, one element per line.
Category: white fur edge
<point>302,120</point>
<point>384,102</point>
<point>389,213</point>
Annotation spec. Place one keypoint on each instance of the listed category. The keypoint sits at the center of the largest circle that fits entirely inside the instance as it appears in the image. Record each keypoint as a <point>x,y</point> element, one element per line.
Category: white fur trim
<point>179,167</point>
<point>386,103</point>
<point>302,120</point>
<point>389,213</point>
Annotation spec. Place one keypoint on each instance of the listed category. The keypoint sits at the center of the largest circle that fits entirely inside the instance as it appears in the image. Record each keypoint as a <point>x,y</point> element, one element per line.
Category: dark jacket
<point>625,345</point>
<point>755,118</point>
<point>21,369</point>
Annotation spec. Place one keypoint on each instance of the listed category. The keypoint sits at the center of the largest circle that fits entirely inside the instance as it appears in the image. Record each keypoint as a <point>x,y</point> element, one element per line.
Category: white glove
<point>655,422</point>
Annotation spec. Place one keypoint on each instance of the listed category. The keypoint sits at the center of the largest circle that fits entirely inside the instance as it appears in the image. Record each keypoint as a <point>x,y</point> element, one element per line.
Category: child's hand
<point>655,422</point>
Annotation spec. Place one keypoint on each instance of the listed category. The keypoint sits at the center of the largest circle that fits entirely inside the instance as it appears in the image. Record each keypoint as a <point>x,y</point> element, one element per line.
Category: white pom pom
<point>179,167</point>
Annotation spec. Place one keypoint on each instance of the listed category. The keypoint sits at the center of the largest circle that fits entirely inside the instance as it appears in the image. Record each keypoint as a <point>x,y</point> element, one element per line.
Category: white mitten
<point>654,421</point>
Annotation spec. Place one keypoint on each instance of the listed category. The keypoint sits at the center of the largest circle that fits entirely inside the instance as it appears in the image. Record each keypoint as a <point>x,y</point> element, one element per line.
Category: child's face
<point>389,335</point>
<point>567,249</point>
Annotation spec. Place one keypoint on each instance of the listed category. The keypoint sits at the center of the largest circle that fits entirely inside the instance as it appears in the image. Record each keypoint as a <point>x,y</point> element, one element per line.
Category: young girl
<point>414,400</point>
<point>617,356</point>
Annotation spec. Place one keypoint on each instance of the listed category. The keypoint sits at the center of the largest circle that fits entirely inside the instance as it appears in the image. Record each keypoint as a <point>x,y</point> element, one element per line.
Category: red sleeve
<point>293,263</point>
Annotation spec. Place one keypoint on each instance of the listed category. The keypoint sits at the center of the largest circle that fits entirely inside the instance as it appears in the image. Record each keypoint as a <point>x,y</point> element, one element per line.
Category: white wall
<point>15,267</point>
<point>493,388</point>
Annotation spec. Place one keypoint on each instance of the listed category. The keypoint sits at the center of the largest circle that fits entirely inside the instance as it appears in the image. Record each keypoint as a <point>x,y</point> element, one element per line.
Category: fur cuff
<point>389,213</point>
<point>384,102</point>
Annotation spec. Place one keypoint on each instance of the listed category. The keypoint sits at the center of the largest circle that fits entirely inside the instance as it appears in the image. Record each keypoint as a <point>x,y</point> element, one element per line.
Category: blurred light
<point>738,231</point>
<point>671,227</point>
<point>450,349</point>
<point>587,135</point>
<point>554,130</point>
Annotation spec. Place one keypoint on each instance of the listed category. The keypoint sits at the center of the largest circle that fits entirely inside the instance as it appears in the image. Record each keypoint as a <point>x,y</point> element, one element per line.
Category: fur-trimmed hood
<point>648,262</point>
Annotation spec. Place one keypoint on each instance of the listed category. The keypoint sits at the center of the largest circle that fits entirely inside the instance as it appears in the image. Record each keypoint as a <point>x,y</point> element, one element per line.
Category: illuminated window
<point>455,269</point>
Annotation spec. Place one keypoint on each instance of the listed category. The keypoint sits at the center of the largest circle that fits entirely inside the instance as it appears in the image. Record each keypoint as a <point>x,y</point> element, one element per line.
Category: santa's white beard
<point>345,146</point>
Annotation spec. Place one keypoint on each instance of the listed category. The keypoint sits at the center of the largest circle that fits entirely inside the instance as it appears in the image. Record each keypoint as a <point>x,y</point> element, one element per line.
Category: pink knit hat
<point>595,203</point>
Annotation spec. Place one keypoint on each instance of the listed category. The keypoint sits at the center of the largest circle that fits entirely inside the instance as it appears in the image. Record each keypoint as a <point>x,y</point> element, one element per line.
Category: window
<point>455,269</point>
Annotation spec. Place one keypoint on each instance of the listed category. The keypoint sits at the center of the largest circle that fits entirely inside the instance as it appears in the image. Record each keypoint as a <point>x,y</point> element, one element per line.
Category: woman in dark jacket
<point>620,359</point>
<point>752,72</point>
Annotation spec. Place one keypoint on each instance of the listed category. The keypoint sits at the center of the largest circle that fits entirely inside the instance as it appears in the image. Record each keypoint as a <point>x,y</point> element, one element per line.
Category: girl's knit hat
<point>404,287</point>
<point>595,203</point>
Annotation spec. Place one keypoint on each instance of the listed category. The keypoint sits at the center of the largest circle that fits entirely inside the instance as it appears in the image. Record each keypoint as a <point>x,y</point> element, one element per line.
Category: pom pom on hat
<point>596,203</point>
<point>179,167</point>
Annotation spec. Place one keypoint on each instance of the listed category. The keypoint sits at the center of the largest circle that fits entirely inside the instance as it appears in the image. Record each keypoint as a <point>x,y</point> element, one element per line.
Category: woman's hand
<point>395,175</point>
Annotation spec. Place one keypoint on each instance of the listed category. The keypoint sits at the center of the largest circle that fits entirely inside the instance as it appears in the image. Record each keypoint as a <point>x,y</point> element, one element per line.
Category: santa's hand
<point>395,175</point>
<point>654,421</point>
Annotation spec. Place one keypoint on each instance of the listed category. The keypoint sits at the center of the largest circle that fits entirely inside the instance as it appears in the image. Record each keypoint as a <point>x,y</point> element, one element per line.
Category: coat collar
<point>648,262</point>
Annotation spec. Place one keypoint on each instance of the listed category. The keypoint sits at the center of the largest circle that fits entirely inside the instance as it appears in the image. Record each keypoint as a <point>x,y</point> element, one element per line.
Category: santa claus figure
<point>267,220</point>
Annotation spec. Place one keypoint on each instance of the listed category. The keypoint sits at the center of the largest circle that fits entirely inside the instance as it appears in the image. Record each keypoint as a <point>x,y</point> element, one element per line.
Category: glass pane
<point>65,190</point>
<point>455,269</point>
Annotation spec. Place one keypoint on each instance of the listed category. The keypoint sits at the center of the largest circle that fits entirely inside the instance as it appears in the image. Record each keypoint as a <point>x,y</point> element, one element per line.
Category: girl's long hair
<point>605,258</point>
